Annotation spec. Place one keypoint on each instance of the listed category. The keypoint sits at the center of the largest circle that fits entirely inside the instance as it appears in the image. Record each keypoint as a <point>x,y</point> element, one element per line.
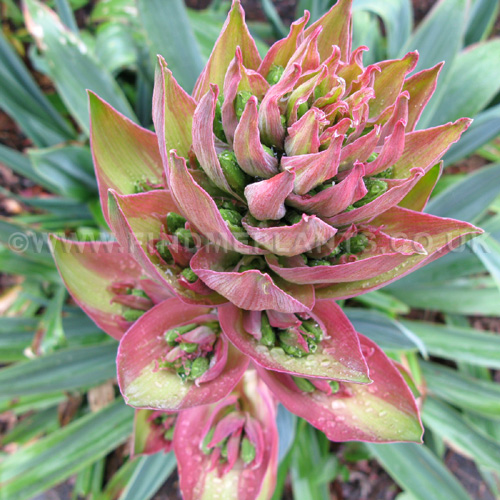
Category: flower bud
<point>185,237</point>
<point>174,222</point>
<point>268,336</point>
<point>275,74</point>
<point>132,314</point>
<point>375,188</point>
<point>235,177</point>
<point>198,368</point>
<point>218,128</point>
<point>303,384</point>
<point>189,274</point>
<point>247,452</point>
<point>241,101</point>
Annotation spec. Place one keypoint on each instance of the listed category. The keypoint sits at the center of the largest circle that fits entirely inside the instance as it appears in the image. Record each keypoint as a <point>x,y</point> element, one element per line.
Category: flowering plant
<point>280,186</point>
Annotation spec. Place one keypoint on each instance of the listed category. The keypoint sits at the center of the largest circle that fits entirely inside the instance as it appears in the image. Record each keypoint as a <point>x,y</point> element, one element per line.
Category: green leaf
<point>23,100</point>
<point>71,66</point>
<point>54,458</point>
<point>24,404</point>
<point>487,249</point>
<point>383,330</point>
<point>148,477</point>
<point>286,423</point>
<point>383,302</point>
<point>450,425</point>
<point>26,241</point>
<point>115,46</point>
<point>306,452</point>
<point>67,369</point>
<point>418,471</point>
<point>457,343</point>
<point>171,36</point>
<point>66,14</point>
<point>67,169</point>
<point>481,20</point>
<point>484,128</point>
<point>397,18</point>
<point>33,426</point>
<point>274,18</point>
<point>468,297</point>
<point>464,94</point>
<point>480,397</point>
<point>316,7</point>
<point>468,199</point>
<point>366,31</point>
<point>51,324</point>
<point>21,164</point>
<point>438,38</point>
<point>206,26</point>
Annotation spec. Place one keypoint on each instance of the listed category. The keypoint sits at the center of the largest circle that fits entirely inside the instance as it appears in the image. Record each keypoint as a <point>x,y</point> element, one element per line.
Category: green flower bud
<point>324,186</point>
<point>302,109</point>
<point>388,173</point>
<point>132,314</point>
<point>206,440</point>
<point>303,384</point>
<point>268,150</point>
<point>174,222</point>
<point>185,237</point>
<point>218,129</point>
<point>334,385</point>
<point>231,216</point>
<point>375,188</point>
<point>283,121</point>
<point>189,274</point>
<point>247,451</point>
<point>275,74</point>
<point>356,244</point>
<point>169,434</point>
<point>188,347</point>
<point>268,336</point>
<point>241,101</point>
<point>290,345</point>
<point>335,253</point>
<point>162,247</point>
<point>318,262</point>
<point>223,449</point>
<point>145,185</point>
<point>198,368</point>
<point>293,217</point>
<point>137,292</point>
<point>184,370</point>
<point>171,335</point>
<point>372,157</point>
<point>312,327</point>
<point>235,177</point>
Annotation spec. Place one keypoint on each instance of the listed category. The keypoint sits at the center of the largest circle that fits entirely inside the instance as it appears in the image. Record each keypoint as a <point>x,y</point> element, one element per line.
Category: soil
<point>367,480</point>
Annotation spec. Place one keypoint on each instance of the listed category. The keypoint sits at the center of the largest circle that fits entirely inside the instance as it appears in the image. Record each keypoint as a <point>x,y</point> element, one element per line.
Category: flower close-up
<point>280,187</point>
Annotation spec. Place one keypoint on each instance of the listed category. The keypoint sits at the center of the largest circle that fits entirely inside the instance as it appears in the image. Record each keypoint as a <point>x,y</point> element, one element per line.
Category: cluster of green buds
<point>191,348</point>
<point>297,341</point>
<point>165,423</point>
<point>135,301</point>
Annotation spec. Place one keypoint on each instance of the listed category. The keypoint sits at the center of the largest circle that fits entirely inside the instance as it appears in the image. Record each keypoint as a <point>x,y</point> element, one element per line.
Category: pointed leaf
<point>252,289</point>
<point>384,411</point>
<point>144,385</point>
<point>88,271</point>
<point>124,153</point>
<point>336,24</point>
<point>234,34</point>
<point>340,357</point>
<point>441,236</point>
